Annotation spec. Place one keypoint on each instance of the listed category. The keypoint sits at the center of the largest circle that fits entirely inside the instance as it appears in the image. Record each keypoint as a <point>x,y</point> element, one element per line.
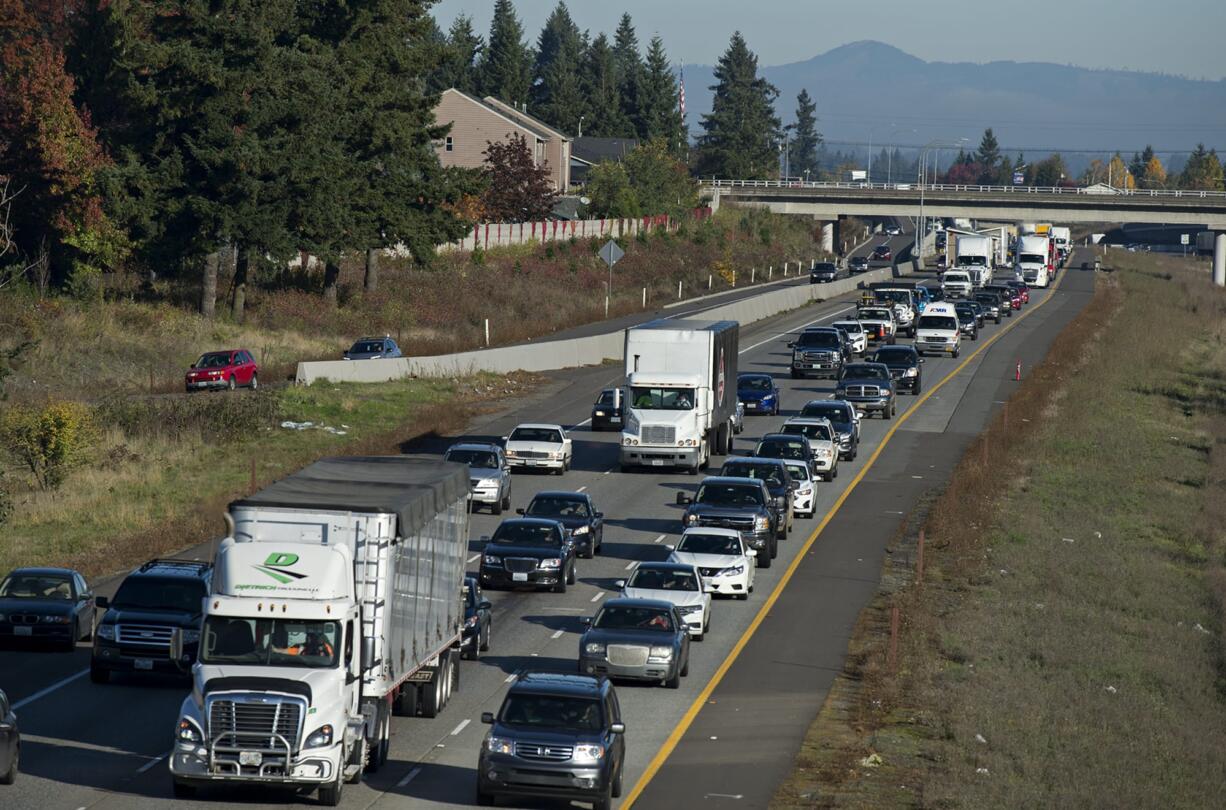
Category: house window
<point>450,145</point>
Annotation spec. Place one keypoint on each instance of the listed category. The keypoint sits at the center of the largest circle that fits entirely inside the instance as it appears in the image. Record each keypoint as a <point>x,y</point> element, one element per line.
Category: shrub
<point>49,440</point>
<point>220,419</point>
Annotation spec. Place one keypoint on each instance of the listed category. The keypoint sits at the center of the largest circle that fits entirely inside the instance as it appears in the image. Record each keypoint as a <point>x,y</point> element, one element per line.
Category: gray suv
<point>488,472</point>
<point>556,736</point>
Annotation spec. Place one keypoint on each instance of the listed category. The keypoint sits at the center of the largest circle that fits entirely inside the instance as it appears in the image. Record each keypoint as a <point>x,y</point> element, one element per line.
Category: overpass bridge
<point>829,201</point>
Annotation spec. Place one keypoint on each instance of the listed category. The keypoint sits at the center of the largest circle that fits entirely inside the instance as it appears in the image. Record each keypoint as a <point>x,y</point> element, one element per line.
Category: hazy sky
<point>1185,37</point>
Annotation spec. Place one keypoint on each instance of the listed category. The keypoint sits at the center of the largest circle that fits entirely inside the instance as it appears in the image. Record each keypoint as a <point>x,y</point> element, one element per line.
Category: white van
<point>937,330</point>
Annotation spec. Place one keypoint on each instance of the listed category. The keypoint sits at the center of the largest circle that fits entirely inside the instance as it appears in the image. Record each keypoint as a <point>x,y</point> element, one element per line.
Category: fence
<point>486,235</point>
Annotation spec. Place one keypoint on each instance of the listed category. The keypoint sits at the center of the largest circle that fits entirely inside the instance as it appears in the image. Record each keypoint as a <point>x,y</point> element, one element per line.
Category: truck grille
<point>863,391</point>
<point>143,635</point>
<point>253,723</point>
<point>740,524</point>
<point>548,753</point>
<point>817,357</point>
<point>519,565</point>
<point>627,655</point>
<point>659,434</point>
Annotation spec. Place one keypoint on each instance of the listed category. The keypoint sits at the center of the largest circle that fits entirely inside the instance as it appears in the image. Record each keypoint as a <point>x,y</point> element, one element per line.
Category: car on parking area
<point>478,620</point>
<point>574,510</point>
<point>742,504</point>
<point>857,335</point>
<point>845,420</point>
<point>528,552</point>
<point>823,272</point>
<point>723,560</point>
<point>556,736</point>
<point>818,353</point>
<point>46,605</point>
<point>228,369</point>
<point>968,319</point>
<point>804,497</point>
<point>857,264</point>
<point>905,365</point>
<point>822,440</point>
<point>373,348</point>
<point>882,253</point>
<point>539,446</point>
<point>10,742</point>
<point>488,472</point>
<point>774,473</point>
<point>607,410</point>
<point>759,393</point>
<point>153,602</point>
<point>785,446</point>
<point>869,388</point>
<point>674,582</point>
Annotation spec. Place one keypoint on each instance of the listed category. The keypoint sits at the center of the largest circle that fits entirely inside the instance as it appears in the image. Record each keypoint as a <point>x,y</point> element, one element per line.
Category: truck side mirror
<point>368,652</point>
<point>683,499</point>
<point>102,602</point>
<point>176,648</point>
<point>487,718</point>
<point>521,511</point>
<point>617,728</point>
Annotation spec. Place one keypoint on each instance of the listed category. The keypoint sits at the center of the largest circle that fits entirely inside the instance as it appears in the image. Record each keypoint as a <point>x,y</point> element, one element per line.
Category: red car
<point>228,368</point>
<point>1023,288</point>
<point>881,253</point>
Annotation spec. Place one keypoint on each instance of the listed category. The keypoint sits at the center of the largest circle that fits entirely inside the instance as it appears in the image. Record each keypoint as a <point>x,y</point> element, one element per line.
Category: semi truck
<point>974,254</point>
<point>1033,264</point>
<point>336,602</point>
<point>680,393</point>
<point>1062,237</point>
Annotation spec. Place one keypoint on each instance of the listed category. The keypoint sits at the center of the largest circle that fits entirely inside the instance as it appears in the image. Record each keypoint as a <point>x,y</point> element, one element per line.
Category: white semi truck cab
<point>335,603</point>
<point>1033,260</point>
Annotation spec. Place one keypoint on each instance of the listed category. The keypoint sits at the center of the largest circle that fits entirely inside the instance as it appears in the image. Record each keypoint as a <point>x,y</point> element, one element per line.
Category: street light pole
<point>918,250</point>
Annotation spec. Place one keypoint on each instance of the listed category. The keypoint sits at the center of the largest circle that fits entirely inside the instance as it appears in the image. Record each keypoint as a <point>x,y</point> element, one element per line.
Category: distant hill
<point>868,85</point>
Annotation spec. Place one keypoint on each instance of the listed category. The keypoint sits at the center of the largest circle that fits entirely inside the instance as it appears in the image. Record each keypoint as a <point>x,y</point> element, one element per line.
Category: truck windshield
<point>818,340</point>
<point>270,642</point>
<point>729,495</point>
<point>972,261</point>
<point>1032,258</point>
<point>157,593</point>
<point>895,296</point>
<point>662,399</point>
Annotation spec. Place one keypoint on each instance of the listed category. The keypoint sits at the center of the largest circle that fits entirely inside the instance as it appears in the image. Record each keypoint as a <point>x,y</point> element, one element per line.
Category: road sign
<point>611,253</point>
<point>1019,178</point>
<point>1184,239</point>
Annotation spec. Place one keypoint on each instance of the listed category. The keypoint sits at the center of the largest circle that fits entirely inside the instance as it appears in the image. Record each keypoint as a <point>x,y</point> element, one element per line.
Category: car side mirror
<point>102,602</point>
<point>521,511</point>
<point>922,361</point>
<point>485,538</point>
<point>599,516</point>
<point>485,604</point>
<point>617,728</point>
<point>751,552</point>
<point>792,345</point>
<point>487,718</point>
<point>504,438</point>
<point>683,499</point>
<point>671,548</point>
<point>586,621</point>
<point>620,584</point>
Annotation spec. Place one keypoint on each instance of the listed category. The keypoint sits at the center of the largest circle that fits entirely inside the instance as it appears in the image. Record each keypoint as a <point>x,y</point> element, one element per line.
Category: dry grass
<point>1066,649</point>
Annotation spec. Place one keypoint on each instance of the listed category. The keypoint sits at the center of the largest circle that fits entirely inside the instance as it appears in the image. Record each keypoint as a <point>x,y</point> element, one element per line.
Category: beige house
<point>476,122</point>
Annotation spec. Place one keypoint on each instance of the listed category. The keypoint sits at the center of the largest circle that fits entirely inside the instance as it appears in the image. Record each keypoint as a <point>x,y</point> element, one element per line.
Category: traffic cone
<point>1017,375</point>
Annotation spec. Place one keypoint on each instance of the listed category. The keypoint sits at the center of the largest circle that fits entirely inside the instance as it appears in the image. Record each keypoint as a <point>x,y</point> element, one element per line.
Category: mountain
<point>872,88</point>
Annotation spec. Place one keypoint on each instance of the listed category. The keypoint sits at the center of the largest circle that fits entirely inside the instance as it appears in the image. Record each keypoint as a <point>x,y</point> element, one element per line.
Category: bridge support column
<point>828,237</point>
<point>1219,259</point>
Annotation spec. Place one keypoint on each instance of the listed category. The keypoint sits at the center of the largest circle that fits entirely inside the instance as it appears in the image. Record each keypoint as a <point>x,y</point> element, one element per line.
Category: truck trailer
<point>680,393</point>
<point>336,602</point>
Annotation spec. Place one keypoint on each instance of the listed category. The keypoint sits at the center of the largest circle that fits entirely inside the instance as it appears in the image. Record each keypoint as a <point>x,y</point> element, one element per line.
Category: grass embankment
<point>1066,646</point>
<point>160,470</point>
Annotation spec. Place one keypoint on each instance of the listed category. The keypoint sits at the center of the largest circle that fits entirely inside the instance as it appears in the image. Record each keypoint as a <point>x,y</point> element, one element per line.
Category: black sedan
<point>576,512</point>
<point>637,639</point>
<point>46,604</point>
<point>823,271</point>
<point>607,410</point>
<point>529,552</point>
<point>10,741</point>
<point>904,365</point>
<point>478,620</point>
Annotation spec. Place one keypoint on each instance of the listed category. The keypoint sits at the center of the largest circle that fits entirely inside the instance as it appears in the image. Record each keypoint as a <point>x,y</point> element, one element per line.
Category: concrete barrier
<point>587,351</point>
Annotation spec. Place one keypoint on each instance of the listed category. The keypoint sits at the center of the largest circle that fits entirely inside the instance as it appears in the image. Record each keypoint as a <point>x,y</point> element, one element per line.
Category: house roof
<point>595,150</point>
<point>511,115</point>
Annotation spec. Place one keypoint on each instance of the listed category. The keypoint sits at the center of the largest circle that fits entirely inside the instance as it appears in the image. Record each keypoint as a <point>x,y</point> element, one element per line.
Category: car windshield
<point>367,347</point>
<point>607,397</point>
<point>763,470</point>
<point>825,267</point>
<point>729,495</point>
<point>36,586</point>
<point>473,458</point>
<point>662,399</point>
<point>213,360</point>
<point>553,712</point>
<point>754,383</point>
<point>527,534</point>
<point>809,430</point>
<point>624,617</point>
<point>798,472</point>
<point>654,579</point>
<point>987,298</point>
<point>897,356</point>
<point>710,544</point>
<point>851,327</point>
<point>1032,258</point>
<point>550,506</point>
<point>938,322</point>
<point>156,593</point>
<point>526,434</point>
<point>863,371</point>
<point>835,413</point>
<point>270,642</point>
<point>780,448</point>
<point>821,340</point>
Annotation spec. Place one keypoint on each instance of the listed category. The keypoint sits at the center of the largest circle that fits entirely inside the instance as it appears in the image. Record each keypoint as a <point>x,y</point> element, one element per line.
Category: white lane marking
<point>558,634</point>
<point>474,558</point>
<point>596,598</point>
<point>660,539</point>
<point>580,489</point>
<point>463,724</point>
<point>631,564</point>
<point>409,777</point>
<point>724,795</point>
<point>606,472</point>
<point>581,424</point>
<point>153,762</point>
<point>43,693</point>
<point>829,316</point>
<point>510,678</point>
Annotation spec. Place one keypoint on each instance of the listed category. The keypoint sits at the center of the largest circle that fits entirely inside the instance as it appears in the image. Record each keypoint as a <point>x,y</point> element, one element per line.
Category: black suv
<point>478,620</point>
<point>991,304</point>
<point>154,600</point>
<point>904,365</point>
<point>529,552</point>
<point>819,352</point>
<point>778,480</point>
<point>968,319</point>
<point>823,271</point>
<point>557,736</point>
<point>743,504</point>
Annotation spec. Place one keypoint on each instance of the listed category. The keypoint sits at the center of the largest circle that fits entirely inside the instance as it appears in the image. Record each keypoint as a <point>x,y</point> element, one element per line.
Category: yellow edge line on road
<point>688,718</point>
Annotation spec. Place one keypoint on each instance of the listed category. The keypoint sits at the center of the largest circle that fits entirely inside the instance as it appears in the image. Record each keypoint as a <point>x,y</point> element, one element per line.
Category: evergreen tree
<point>988,156</point>
<point>806,139</point>
<point>461,50</point>
<point>741,134</point>
<point>600,89</point>
<point>659,113</point>
<point>1203,171</point>
<point>505,70</point>
<point>556,95</point>
<point>629,72</point>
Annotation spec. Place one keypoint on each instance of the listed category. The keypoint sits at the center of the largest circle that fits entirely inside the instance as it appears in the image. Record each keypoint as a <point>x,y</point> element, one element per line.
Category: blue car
<point>758,392</point>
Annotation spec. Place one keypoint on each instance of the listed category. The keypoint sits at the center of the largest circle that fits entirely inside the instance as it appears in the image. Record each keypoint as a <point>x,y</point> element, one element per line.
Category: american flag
<point>681,95</point>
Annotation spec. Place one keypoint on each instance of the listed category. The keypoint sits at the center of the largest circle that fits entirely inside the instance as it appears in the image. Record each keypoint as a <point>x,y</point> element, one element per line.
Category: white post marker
<point>709,281</point>
<point>678,290</point>
<point>487,331</point>
<point>753,272</point>
<point>644,298</point>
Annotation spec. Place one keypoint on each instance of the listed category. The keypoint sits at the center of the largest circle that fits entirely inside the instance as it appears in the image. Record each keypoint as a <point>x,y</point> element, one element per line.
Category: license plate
<point>613,419</point>
<point>251,758</point>
<point>23,631</point>
<point>143,663</point>
<point>519,577</point>
<point>657,462</point>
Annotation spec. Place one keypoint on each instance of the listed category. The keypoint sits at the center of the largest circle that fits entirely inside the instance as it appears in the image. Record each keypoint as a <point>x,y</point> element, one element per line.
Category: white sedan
<point>857,335</point>
<point>723,561</point>
<point>672,582</point>
<point>806,491</point>
<point>534,446</point>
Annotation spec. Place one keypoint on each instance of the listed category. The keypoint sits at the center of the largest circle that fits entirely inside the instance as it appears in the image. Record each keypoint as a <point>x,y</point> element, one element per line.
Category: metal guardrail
<point>1087,191</point>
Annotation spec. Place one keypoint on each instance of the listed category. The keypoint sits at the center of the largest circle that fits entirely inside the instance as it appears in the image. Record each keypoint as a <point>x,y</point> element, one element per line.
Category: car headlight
<point>691,520</point>
<point>581,530</point>
<point>598,413</point>
<point>106,632</point>
<point>188,732</point>
<point>911,372</point>
<point>320,737</point>
<point>660,653</point>
<point>807,489</point>
<point>840,392</point>
<point>555,454</point>
<point>499,745</point>
<point>761,523</point>
<point>594,648</point>
<point>588,752</point>
<point>472,621</point>
<point>512,454</point>
<point>732,571</point>
<point>2,617</point>
<point>491,559</point>
<point>54,619</point>
<point>550,563</point>
<point>488,482</point>
<point>823,452</point>
<point>686,610</point>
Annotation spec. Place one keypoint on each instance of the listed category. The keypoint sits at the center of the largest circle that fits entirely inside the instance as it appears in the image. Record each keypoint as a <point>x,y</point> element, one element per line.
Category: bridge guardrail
<point>1088,191</point>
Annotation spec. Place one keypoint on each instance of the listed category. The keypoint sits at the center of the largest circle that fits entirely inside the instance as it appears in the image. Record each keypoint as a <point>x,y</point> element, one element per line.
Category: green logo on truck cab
<point>275,567</point>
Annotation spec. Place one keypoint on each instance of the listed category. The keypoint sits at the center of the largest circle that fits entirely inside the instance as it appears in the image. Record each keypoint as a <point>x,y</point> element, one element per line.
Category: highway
<point>91,746</point>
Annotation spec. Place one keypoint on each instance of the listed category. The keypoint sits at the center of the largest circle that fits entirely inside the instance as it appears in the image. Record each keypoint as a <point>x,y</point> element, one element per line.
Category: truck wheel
<point>406,701</point>
<point>379,746</point>
<point>673,682</point>
<point>182,790</point>
<point>485,799</point>
<point>330,794</point>
<point>795,374</point>
<point>763,560</point>
<point>506,502</point>
<point>432,695</point>
<point>603,802</point>
<point>617,780</point>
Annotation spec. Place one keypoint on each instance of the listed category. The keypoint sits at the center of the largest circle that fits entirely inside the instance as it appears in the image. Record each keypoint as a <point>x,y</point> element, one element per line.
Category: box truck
<point>680,393</point>
<point>1062,241</point>
<point>1033,260</point>
<point>336,602</point>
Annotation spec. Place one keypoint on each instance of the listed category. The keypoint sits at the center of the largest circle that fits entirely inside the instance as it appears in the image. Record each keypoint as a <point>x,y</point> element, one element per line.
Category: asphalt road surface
<point>92,746</point>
